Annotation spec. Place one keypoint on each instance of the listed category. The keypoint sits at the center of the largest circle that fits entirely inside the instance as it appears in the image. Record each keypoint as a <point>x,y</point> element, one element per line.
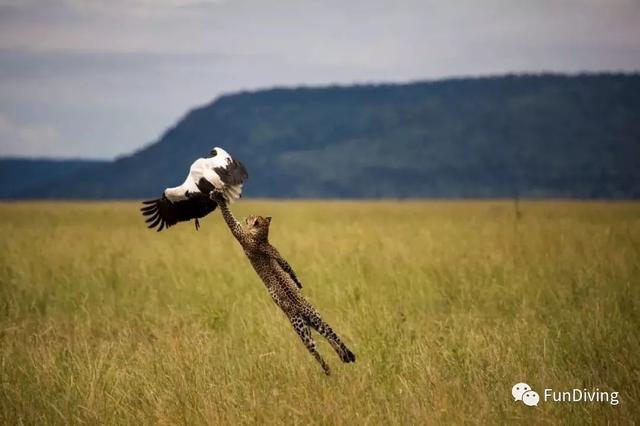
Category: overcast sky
<point>102,78</point>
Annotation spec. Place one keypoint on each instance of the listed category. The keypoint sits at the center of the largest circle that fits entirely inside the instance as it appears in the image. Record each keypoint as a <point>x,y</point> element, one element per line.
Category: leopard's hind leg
<point>303,330</point>
<point>314,320</point>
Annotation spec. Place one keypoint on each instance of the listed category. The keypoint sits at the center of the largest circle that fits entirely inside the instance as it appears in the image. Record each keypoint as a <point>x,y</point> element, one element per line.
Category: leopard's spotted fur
<point>281,282</point>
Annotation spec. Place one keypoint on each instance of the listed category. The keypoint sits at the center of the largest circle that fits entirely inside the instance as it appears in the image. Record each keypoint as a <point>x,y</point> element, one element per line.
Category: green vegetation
<point>446,304</point>
<point>528,136</point>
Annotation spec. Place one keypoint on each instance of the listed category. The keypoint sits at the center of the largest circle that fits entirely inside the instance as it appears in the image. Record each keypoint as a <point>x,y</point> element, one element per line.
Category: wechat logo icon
<point>523,392</point>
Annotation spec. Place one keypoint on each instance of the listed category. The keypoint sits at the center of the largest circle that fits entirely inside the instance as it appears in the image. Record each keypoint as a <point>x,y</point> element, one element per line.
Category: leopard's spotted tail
<point>323,328</point>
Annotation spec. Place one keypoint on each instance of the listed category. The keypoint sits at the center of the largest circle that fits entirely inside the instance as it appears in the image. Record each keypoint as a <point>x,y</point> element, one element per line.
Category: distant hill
<point>530,136</point>
<point>19,176</point>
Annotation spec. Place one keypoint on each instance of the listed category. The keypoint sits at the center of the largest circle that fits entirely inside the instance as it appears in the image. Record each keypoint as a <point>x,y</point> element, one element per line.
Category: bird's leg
<point>190,195</point>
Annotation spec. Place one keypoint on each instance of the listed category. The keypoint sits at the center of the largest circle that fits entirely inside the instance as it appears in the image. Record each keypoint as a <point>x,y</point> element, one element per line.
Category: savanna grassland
<point>446,304</point>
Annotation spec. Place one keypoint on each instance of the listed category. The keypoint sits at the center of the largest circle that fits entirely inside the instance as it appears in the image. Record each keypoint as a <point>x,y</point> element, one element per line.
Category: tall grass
<point>446,304</point>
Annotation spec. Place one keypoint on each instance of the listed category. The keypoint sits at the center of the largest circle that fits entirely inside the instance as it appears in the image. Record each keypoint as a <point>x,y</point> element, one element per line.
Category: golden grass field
<point>446,304</point>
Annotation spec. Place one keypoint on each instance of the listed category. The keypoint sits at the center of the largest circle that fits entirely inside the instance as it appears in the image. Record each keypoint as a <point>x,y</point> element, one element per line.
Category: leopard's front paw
<point>217,196</point>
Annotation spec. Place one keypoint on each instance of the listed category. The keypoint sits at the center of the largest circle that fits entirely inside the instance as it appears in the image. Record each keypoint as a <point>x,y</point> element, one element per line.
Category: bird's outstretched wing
<point>163,213</point>
<point>233,173</point>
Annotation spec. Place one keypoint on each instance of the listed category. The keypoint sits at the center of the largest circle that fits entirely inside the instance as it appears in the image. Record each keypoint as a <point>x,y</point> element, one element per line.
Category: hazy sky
<point>101,78</point>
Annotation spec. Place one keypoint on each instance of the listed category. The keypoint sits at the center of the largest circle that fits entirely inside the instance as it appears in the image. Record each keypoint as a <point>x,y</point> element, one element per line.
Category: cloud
<point>32,140</point>
<point>111,75</point>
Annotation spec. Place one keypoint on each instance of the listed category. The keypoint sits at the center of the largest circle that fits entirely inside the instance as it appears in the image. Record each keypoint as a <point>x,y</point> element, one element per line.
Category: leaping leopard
<point>281,281</point>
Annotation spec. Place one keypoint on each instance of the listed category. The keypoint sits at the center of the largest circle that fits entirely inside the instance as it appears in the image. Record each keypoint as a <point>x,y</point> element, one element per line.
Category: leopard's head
<point>258,227</point>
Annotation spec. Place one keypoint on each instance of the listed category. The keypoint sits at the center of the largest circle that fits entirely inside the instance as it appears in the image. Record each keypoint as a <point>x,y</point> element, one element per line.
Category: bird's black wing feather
<point>163,213</point>
<point>205,186</point>
<point>234,173</point>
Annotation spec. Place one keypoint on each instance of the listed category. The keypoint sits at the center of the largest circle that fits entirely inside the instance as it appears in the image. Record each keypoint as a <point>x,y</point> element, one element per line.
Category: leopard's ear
<point>268,219</point>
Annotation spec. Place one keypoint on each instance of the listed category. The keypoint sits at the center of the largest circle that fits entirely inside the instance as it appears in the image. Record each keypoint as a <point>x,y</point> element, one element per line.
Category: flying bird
<point>191,199</point>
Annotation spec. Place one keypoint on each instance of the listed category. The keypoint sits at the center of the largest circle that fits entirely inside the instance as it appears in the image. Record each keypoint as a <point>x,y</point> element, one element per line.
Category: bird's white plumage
<point>205,168</point>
